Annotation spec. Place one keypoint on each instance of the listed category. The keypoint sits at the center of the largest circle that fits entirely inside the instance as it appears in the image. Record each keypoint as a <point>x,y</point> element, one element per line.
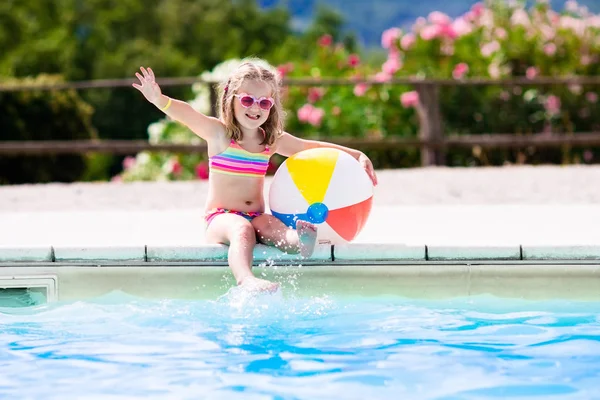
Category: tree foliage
<point>43,115</point>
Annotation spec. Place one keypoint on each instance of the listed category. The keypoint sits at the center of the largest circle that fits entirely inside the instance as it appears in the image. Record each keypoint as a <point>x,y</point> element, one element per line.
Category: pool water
<point>284,346</point>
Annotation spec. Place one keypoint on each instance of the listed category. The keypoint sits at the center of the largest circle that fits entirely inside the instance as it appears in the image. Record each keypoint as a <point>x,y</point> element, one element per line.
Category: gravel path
<point>420,186</point>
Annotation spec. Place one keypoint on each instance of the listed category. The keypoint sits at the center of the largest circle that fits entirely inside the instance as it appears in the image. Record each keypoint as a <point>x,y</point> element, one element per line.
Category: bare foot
<point>307,235</point>
<point>254,284</point>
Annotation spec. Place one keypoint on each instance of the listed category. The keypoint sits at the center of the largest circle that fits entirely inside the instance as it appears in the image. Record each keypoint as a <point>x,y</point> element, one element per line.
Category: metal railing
<point>431,139</point>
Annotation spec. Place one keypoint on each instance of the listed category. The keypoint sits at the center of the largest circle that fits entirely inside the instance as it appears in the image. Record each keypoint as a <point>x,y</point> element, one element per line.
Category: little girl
<point>240,142</point>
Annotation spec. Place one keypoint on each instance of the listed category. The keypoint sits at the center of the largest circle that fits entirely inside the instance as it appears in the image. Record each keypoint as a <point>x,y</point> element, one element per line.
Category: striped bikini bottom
<point>212,213</point>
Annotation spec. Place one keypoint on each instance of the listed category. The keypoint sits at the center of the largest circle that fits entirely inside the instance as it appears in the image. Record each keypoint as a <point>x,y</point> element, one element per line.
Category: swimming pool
<point>418,331</point>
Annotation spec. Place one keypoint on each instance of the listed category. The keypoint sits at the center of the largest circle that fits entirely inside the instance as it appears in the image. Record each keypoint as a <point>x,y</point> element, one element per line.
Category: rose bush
<point>500,40</point>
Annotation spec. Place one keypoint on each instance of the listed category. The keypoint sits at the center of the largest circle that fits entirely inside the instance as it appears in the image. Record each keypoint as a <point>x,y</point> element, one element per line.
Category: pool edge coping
<point>325,254</point>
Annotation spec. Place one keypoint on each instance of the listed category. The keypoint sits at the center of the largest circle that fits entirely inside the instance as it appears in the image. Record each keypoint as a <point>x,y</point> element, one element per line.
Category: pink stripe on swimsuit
<point>237,161</point>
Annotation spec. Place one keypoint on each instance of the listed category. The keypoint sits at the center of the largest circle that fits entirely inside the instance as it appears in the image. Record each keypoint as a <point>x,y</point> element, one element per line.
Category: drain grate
<point>26,291</point>
<point>23,297</point>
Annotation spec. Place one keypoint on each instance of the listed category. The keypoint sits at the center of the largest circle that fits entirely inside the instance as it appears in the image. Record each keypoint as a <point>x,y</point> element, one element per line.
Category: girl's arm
<point>180,111</point>
<point>288,145</point>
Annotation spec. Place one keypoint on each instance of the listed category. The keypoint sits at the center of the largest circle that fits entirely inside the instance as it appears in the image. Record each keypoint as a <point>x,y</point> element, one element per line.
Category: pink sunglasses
<point>247,101</point>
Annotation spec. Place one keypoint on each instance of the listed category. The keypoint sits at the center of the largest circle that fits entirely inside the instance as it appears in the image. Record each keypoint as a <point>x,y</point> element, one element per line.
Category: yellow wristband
<point>167,106</point>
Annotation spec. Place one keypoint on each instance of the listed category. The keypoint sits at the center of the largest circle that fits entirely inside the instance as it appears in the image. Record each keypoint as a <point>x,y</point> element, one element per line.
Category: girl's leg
<point>271,231</point>
<point>239,234</point>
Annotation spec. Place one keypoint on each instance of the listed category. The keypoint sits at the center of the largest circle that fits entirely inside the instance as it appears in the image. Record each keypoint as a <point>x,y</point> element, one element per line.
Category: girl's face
<point>254,116</point>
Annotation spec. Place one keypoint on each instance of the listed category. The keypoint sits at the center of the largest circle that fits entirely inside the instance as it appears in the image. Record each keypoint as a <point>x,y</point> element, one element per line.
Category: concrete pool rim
<point>325,254</point>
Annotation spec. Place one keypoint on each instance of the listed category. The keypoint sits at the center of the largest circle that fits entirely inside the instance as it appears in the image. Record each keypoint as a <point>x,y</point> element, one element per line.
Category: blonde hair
<point>252,69</point>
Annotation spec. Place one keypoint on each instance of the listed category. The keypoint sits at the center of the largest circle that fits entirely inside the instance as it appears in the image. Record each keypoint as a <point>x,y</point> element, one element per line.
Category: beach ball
<point>326,187</point>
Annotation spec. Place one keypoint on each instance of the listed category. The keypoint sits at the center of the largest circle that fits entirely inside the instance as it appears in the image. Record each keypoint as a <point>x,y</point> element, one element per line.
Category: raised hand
<point>148,87</point>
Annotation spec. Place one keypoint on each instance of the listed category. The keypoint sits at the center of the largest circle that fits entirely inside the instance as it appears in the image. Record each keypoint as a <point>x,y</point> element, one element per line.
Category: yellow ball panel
<point>311,170</point>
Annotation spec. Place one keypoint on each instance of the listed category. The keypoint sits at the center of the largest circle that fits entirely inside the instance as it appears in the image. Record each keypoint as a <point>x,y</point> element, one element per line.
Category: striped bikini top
<point>237,161</point>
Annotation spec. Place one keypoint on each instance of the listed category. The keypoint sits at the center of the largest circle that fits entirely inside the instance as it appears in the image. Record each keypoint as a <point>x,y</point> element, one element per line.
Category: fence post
<point>214,97</point>
<point>430,124</point>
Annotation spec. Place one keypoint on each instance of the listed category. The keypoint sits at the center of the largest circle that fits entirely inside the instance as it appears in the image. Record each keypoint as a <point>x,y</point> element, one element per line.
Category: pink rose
<point>316,116</point>
<point>550,49</point>
<point>490,48</point>
<point>353,60</point>
<point>419,24</point>
<point>462,27</point>
<point>360,89</point>
<point>531,72</point>
<point>439,18</point>
<point>311,114</point>
<point>447,31</point>
<point>409,99</point>
<point>430,32</point>
<point>407,41</point>
<point>447,48</point>
<point>325,40</point>
<point>128,162</point>
<point>202,170</point>
<point>552,104</point>
<point>591,97</point>
<point>177,168</point>
<point>501,33</point>
<point>520,17</point>
<point>460,70</point>
<point>304,112</point>
<point>392,65</point>
<point>393,52</point>
<point>315,94</point>
<point>477,9</point>
<point>382,76</point>
<point>389,37</point>
<point>285,69</point>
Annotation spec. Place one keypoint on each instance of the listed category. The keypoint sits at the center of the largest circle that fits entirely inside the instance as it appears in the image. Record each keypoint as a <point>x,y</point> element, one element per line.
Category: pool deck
<point>512,213</point>
<point>393,234</point>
